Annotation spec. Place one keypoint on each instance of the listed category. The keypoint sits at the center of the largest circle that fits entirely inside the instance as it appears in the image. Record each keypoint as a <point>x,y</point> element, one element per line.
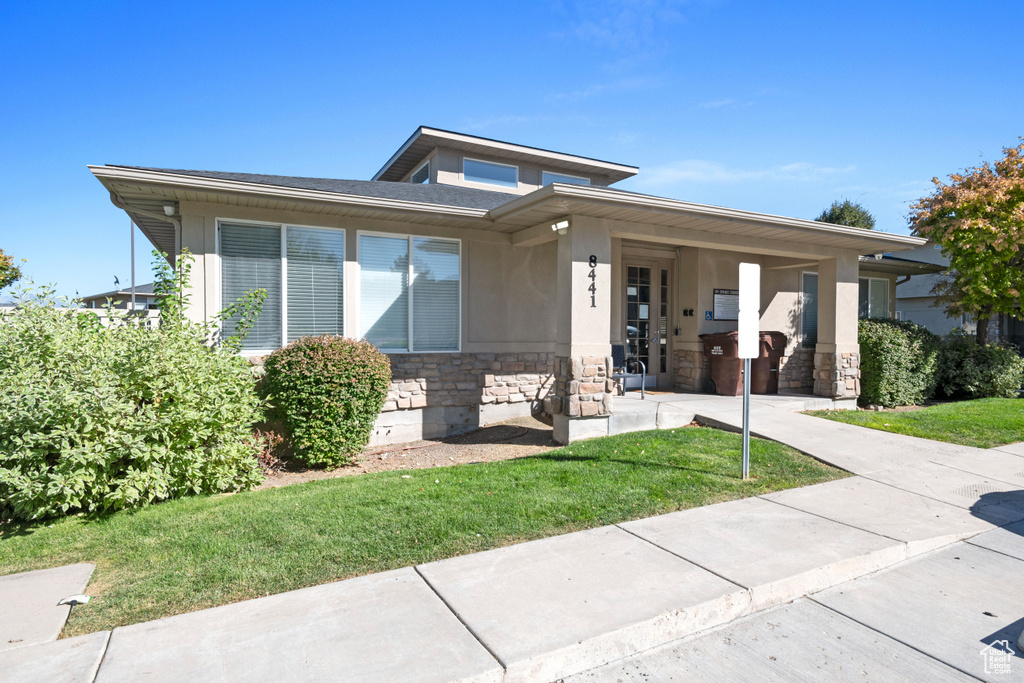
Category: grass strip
<point>195,553</point>
<point>983,423</point>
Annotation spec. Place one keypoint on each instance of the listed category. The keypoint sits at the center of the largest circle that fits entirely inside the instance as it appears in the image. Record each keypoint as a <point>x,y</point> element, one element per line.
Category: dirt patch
<point>516,438</point>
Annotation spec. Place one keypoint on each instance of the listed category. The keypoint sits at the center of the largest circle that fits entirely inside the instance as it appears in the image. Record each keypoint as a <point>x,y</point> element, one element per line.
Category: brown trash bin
<point>722,351</point>
<point>764,370</point>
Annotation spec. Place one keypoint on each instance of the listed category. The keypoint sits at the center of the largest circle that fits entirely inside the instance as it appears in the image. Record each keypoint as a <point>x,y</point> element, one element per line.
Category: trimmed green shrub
<point>100,417</point>
<point>897,362</point>
<point>968,370</point>
<point>327,391</point>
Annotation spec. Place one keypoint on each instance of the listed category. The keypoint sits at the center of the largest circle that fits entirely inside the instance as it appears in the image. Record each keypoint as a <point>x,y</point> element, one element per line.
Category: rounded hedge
<point>968,370</point>
<point>898,362</point>
<point>327,392</point>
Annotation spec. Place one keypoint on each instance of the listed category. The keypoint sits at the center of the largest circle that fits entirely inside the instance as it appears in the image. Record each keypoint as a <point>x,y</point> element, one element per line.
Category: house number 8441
<point>593,281</point>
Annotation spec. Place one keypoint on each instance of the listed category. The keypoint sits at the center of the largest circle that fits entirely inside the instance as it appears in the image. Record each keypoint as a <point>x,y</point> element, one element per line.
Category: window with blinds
<point>251,259</point>
<point>315,292</point>
<point>409,287</point>
<point>809,310</point>
<point>409,292</point>
<point>435,295</point>
<point>384,291</point>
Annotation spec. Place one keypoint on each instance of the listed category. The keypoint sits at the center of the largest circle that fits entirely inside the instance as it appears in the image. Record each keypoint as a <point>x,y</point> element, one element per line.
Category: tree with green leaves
<point>849,213</point>
<point>978,221</point>
<point>9,273</point>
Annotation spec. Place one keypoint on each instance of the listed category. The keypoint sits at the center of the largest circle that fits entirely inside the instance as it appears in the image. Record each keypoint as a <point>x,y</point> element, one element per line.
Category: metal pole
<point>131,226</point>
<point>746,418</point>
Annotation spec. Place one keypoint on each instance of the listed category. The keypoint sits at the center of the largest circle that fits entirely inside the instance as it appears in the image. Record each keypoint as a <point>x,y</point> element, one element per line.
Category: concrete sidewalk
<point>561,606</point>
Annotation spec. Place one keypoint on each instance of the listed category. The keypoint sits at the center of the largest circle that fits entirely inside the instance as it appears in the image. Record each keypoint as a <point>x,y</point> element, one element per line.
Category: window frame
<point>417,170</point>
<point>491,163</point>
<point>283,227</point>
<point>358,302</point>
<point>544,182</point>
<point>803,304</point>
<point>869,280</point>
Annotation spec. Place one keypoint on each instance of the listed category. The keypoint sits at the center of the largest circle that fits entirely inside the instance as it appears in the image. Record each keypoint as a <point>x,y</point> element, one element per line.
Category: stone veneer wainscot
<point>420,380</point>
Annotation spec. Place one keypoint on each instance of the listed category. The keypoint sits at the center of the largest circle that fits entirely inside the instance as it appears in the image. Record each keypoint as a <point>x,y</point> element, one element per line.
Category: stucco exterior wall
<point>522,306</point>
<point>446,168</point>
<point>507,292</point>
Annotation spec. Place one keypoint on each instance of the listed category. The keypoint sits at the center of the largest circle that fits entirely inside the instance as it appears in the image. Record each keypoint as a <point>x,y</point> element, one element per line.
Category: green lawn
<point>200,552</point>
<point>983,423</point>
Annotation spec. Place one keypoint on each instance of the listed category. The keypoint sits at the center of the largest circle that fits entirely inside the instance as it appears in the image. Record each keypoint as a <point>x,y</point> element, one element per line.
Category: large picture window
<point>302,270</point>
<point>409,292</point>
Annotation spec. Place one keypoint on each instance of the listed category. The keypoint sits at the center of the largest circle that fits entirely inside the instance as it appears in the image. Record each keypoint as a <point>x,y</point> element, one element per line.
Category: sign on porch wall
<point>727,304</point>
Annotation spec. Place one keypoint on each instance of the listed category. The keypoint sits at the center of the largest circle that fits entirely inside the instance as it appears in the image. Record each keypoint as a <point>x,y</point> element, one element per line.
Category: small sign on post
<point>749,318</point>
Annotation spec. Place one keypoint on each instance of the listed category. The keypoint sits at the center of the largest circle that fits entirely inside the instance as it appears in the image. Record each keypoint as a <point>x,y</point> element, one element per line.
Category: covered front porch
<point>653,282</point>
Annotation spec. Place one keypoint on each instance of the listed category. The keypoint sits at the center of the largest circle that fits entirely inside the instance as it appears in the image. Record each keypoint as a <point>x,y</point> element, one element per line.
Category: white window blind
<point>251,259</point>
<point>384,291</point>
<point>435,295</point>
<point>809,309</point>
<point>315,295</point>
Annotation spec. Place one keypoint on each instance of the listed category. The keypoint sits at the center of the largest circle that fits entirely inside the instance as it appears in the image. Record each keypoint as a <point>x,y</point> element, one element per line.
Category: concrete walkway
<point>619,595</point>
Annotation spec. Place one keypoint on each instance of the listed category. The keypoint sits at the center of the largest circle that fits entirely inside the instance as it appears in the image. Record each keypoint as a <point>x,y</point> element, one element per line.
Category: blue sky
<point>773,107</point>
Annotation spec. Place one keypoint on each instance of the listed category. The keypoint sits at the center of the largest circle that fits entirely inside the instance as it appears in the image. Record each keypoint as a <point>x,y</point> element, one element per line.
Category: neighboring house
<point>145,299</point>
<point>915,301</point>
<point>914,298</point>
<point>498,276</point>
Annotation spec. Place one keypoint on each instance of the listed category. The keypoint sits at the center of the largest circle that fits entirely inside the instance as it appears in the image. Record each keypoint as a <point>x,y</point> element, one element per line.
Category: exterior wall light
<point>561,227</point>
<point>169,208</point>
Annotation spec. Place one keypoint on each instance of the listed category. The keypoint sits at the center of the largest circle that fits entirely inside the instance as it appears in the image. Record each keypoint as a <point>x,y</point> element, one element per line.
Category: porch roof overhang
<point>899,266</point>
<point>523,221</point>
<point>681,223</point>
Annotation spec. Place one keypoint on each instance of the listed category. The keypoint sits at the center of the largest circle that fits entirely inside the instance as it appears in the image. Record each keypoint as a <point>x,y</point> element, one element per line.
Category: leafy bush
<point>98,417</point>
<point>968,370</point>
<point>327,391</point>
<point>898,362</point>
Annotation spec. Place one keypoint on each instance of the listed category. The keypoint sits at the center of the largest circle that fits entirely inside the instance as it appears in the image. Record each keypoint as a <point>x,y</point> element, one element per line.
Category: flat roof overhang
<point>681,223</point>
<point>899,266</point>
<point>425,140</point>
<point>524,221</point>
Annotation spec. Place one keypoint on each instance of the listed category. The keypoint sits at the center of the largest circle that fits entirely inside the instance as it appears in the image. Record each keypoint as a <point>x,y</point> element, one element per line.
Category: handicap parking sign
<point>708,315</point>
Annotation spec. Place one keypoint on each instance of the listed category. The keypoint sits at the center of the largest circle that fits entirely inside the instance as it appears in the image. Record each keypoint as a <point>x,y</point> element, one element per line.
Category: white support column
<point>582,401</point>
<point>837,354</point>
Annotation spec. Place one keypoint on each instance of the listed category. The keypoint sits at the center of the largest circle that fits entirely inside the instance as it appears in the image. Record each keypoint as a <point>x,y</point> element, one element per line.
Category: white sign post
<point>749,342</point>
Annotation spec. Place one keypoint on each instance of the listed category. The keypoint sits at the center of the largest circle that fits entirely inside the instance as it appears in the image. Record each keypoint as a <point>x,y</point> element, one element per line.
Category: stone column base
<point>837,375</point>
<point>583,389</point>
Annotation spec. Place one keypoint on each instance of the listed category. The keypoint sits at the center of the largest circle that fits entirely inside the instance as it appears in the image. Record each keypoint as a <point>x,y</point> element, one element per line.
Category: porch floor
<point>664,410</point>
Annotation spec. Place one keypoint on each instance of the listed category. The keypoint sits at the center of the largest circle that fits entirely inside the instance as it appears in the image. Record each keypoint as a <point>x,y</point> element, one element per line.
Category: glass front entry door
<point>647,305</point>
